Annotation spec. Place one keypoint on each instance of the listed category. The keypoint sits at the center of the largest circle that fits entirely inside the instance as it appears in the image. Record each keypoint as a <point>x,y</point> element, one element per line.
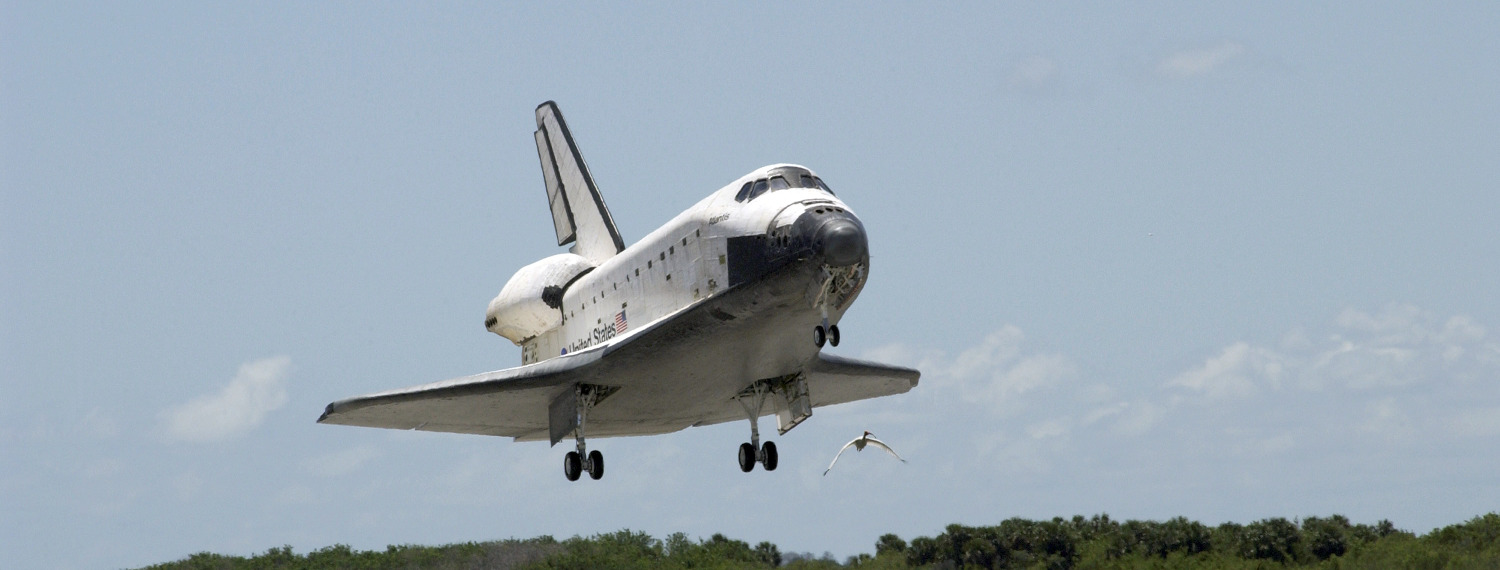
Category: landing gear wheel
<point>768,455</point>
<point>819,337</point>
<point>596,465</point>
<point>572,465</point>
<point>747,457</point>
<point>833,335</point>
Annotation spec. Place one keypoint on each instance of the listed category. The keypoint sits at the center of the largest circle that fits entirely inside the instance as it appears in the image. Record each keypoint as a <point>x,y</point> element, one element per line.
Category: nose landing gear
<point>829,335</point>
<point>837,288</point>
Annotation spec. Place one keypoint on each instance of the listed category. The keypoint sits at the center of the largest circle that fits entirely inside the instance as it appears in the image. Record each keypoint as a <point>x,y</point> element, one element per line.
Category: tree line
<point>1080,542</point>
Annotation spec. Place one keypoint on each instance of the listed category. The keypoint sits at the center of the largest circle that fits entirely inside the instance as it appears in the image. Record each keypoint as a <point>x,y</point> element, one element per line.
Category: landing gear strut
<point>581,460</point>
<point>838,285</point>
<point>753,399</point>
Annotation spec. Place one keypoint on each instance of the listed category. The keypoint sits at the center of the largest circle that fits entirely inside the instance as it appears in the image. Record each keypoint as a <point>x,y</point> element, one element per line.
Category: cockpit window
<point>758,189</point>
<point>781,179</point>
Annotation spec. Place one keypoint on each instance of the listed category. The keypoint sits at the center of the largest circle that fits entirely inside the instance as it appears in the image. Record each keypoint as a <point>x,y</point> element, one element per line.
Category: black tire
<point>768,449</point>
<point>819,337</point>
<point>596,465</point>
<point>747,457</point>
<point>572,466</point>
<point>833,335</point>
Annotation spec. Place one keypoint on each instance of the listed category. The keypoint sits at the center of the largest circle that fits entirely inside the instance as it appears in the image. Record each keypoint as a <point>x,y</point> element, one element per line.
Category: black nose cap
<point>843,242</point>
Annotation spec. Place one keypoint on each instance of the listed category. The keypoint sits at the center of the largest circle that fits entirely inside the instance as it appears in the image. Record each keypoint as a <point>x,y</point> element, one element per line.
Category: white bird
<point>859,444</point>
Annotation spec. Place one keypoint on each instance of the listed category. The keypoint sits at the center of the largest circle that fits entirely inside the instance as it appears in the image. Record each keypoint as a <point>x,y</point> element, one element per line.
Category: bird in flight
<point>859,444</point>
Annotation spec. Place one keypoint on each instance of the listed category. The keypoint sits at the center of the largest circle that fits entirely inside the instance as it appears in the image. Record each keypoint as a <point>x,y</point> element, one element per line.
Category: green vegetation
<point>1083,543</point>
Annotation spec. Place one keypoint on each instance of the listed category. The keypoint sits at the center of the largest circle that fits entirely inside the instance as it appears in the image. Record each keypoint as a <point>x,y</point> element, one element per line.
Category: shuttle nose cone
<point>843,242</point>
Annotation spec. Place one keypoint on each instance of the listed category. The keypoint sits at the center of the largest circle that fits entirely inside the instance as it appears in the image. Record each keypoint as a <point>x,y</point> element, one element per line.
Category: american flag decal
<point>620,322</point>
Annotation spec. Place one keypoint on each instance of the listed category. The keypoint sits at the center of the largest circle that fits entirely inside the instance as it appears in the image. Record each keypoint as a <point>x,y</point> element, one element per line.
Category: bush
<point>922,552</point>
<point>1326,538</point>
<point>889,544</point>
<point>1270,539</point>
<point>1096,542</point>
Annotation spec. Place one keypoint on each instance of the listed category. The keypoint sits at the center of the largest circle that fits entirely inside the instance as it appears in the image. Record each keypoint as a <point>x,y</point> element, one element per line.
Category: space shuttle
<point>721,314</point>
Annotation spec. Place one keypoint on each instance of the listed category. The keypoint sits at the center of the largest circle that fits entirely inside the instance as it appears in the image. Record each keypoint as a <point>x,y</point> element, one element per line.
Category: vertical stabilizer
<point>578,211</point>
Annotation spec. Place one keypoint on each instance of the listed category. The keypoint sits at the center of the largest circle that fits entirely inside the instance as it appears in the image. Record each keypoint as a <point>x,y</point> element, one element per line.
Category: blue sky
<point>1224,263</point>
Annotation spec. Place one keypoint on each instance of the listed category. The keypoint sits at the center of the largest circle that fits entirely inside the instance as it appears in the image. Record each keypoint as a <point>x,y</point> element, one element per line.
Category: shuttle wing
<point>664,385</point>
<point>837,380</point>
<point>511,402</point>
<point>578,211</point>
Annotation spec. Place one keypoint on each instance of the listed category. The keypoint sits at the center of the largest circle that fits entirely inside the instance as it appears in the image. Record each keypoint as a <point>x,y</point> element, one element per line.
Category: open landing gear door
<point>569,410</point>
<point>562,415</point>
<point>792,404</point>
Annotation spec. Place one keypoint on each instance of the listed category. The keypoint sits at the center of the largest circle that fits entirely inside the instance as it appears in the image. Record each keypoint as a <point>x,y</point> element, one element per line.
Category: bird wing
<point>836,456</point>
<point>879,444</point>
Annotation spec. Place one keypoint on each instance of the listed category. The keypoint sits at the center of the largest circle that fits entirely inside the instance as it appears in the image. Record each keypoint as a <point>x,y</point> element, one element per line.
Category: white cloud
<point>1233,374</point>
<point>1034,372</point>
<point>997,374</point>
<point>255,391</point>
<point>1195,62</point>
<point>1056,427</point>
<point>1394,376</point>
<point>1402,345</point>
<point>1363,366</point>
<point>1400,322</point>
<point>1399,345</point>
<point>1363,389</point>
<point>1015,404</point>
<point>1099,414</point>
<point>904,355</point>
<point>1137,418</point>
<point>1462,329</point>
<point>997,349</point>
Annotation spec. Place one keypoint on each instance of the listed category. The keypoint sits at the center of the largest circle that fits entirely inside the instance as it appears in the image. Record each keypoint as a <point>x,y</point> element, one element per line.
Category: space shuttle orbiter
<point>719,315</point>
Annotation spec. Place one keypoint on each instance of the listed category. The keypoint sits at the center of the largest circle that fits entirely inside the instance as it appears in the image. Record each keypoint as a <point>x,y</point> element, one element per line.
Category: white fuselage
<point>683,262</point>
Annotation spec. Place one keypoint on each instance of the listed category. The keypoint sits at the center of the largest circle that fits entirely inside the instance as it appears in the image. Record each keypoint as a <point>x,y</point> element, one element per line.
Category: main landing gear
<point>749,457</point>
<point>753,399</point>
<point>575,463</point>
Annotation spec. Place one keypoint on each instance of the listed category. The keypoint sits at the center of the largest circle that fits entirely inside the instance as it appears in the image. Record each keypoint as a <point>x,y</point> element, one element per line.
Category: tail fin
<point>578,211</point>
